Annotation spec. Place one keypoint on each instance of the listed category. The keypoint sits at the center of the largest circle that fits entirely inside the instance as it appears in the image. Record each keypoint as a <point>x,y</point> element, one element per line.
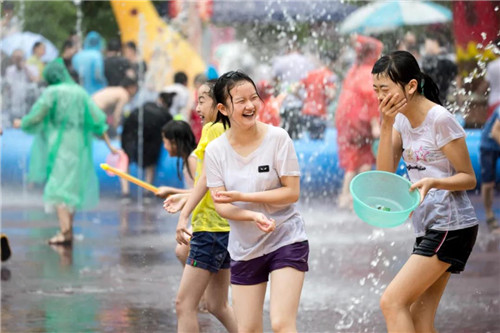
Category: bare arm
<point>117,113</point>
<point>390,146</point>
<point>199,190</point>
<point>165,191</point>
<point>465,179</point>
<point>234,213</point>
<point>288,193</point>
<point>111,148</point>
<point>375,126</point>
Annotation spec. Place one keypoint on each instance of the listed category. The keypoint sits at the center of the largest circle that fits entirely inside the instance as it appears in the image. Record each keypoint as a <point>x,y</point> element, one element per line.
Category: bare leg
<point>125,184</point>
<point>487,193</point>
<point>248,303</point>
<point>286,286</point>
<point>418,276</point>
<point>345,196</point>
<point>423,310</point>
<point>182,252</point>
<point>65,217</point>
<point>217,300</point>
<point>150,173</point>
<point>194,281</point>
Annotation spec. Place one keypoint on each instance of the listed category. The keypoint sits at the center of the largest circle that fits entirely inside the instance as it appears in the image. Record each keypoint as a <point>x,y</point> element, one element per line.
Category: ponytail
<point>429,88</point>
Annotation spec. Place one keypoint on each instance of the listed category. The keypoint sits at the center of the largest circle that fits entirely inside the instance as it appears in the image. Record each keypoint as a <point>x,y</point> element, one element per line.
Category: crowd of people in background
<point>303,93</point>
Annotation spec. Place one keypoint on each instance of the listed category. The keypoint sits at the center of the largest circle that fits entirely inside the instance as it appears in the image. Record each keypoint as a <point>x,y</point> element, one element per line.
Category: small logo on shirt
<point>263,168</point>
<point>416,167</point>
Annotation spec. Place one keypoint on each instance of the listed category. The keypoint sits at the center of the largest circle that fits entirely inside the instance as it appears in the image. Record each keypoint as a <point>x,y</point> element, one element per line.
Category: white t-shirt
<point>493,77</point>
<point>259,171</point>
<point>441,209</point>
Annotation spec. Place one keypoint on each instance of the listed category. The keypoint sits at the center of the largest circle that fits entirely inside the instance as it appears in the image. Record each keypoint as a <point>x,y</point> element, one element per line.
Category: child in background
<point>154,117</point>
<point>207,267</point>
<point>179,141</point>
<point>270,113</point>
<point>432,144</point>
<point>70,119</point>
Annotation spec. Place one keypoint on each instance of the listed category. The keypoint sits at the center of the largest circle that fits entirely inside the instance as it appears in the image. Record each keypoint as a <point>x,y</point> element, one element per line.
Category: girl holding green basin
<point>418,128</point>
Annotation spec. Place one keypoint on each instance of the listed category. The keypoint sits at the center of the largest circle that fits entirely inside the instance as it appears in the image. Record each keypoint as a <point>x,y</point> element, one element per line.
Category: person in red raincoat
<point>270,112</point>
<point>357,116</point>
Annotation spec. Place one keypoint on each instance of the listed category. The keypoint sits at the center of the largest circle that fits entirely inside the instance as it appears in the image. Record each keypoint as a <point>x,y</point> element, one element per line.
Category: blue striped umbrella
<point>383,16</point>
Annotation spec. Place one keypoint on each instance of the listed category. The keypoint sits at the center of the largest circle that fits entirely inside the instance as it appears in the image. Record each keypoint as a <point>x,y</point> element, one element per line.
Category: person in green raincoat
<point>68,119</point>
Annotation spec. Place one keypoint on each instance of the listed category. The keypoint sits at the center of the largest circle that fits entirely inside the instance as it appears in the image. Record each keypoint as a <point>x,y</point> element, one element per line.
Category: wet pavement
<point>121,274</point>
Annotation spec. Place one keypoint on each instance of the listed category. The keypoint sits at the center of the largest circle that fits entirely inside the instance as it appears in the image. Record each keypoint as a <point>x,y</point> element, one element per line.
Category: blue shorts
<point>208,250</point>
<point>255,271</point>
<point>489,165</point>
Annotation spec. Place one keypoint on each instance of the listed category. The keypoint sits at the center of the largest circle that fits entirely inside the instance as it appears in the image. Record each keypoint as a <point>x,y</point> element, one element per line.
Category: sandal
<point>61,239</point>
<point>492,223</point>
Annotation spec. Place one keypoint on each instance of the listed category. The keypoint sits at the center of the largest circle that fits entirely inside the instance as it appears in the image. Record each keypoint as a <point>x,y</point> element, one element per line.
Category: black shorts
<point>453,247</point>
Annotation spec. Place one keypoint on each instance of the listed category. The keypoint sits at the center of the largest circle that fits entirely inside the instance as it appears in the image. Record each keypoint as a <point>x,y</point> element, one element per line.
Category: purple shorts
<point>257,270</point>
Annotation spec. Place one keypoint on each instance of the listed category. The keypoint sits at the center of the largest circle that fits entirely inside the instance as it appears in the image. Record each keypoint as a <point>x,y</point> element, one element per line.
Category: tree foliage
<point>98,16</point>
<point>52,19</point>
<point>57,20</point>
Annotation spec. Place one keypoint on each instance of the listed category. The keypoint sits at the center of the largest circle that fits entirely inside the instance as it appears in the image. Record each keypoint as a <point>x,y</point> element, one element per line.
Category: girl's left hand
<point>174,203</point>
<point>227,196</point>
<point>423,185</point>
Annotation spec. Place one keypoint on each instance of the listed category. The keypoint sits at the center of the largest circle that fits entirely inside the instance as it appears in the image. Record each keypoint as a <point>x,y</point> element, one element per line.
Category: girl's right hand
<point>390,107</point>
<point>164,191</point>
<point>175,203</point>
<point>182,234</point>
<point>263,223</point>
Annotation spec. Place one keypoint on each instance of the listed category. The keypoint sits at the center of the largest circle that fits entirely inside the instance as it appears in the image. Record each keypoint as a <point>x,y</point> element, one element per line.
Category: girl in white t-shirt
<point>253,174</point>
<point>416,127</point>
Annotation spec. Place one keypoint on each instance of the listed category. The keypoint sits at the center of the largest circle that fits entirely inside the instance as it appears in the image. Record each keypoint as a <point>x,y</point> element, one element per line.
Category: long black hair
<point>179,132</point>
<point>211,87</point>
<point>402,67</point>
<point>223,86</point>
